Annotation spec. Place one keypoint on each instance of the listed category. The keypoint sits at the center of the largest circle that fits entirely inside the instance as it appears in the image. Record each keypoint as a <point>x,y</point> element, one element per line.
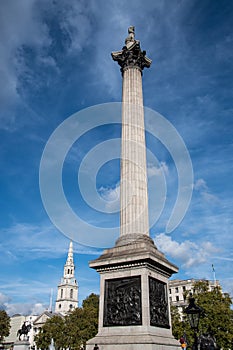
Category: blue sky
<point>55,61</point>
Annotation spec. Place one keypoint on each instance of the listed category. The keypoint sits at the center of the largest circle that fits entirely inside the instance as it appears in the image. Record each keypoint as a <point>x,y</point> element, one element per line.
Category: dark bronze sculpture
<point>131,54</point>
<point>159,316</point>
<point>122,302</point>
<point>24,330</point>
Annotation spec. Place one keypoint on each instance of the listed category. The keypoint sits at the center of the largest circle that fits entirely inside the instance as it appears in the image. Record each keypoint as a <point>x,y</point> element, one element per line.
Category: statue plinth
<point>134,308</point>
<point>21,345</point>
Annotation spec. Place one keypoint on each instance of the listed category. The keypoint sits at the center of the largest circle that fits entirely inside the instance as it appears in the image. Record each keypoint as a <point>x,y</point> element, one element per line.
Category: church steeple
<point>67,294</point>
<point>69,265</point>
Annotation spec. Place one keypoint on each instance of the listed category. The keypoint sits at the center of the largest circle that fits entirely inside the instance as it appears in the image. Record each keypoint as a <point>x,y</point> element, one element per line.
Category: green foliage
<point>4,325</point>
<point>177,325</point>
<point>217,317</point>
<point>91,301</point>
<point>73,330</point>
<point>82,323</point>
<point>181,327</point>
<point>217,314</point>
<point>54,328</point>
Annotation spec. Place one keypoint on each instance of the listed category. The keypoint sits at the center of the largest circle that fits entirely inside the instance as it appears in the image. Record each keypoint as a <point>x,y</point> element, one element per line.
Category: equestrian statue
<point>24,330</point>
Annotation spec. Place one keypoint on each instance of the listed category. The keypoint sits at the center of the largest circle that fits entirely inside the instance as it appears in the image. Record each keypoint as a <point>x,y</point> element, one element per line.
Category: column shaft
<point>134,197</point>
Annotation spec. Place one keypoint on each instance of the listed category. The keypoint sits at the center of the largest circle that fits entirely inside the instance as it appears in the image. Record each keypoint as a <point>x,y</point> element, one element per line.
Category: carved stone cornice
<point>133,256</point>
<point>131,56</point>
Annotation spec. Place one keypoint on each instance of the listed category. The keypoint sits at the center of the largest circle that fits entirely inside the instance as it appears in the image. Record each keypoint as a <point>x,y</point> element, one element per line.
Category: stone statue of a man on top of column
<point>130,40</point>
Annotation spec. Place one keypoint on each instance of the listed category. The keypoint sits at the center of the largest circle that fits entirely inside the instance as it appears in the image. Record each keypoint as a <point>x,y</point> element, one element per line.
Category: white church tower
<point>67,294</point>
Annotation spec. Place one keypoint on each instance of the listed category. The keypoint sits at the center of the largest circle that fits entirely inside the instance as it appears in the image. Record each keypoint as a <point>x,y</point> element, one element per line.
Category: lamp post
<point>194,312</point>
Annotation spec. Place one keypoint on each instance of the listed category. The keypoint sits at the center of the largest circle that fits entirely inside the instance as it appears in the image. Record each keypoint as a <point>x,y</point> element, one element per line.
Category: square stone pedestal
<point>21,345</point>
<point>134,311</point>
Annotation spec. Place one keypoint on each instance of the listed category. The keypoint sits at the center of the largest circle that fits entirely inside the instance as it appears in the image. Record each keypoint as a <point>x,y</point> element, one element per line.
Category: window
<point>71,306</point>
<point>184,288</point>
<point>177,298</point>
<point>71,294</point>
<point>61,293</point>
<point>170,291</point>
<point>177,290</point>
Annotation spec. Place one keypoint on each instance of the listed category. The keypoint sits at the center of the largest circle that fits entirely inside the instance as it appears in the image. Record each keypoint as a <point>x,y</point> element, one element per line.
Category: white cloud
<point>200,184</point>
<point>24,309</point>
<point>27,241</point>
<point>3,299</point>
<point>201,187</point>
<point>25,28</point>
<point>210,198</point>
<point>31,246</point>
<point>76,22</point>
<point>19,25</point>
<point>153,170</point>
<point>187,252</point>
<point>21,308</point>
<point>37,309</point>
<point>227,286</point>
<point>112,196</point>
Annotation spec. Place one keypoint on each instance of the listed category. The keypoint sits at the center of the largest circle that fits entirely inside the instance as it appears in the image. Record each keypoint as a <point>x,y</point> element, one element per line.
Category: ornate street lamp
<point>194,312</point>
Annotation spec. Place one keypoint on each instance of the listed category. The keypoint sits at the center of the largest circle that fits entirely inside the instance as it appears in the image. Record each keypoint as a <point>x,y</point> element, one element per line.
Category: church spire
<point>69,266</point>
<point>67,294</point>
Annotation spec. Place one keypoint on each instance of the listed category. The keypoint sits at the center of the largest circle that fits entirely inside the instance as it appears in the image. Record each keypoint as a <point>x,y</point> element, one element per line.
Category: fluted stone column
<point>134,308</point>
<point>134,197</point>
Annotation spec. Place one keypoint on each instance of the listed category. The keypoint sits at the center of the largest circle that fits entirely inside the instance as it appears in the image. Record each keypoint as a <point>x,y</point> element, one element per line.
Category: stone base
<point>134,310</point>
<point>140,341</point>
<point>21,345</point>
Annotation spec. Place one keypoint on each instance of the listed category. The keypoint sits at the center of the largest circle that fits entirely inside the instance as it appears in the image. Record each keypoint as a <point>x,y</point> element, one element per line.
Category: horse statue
<point>24,330</point>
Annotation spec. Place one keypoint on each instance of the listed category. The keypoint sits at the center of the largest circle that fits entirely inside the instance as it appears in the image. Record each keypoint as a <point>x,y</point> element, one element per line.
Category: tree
<point>82,323</point>
<point>54,328</point>
<point>73,330</point>
<point>91,313</point>
<point>177,324</point>
<point>180,326</point>
<point>216,319</point>
<point>4,325</point>
<point>91,301</point>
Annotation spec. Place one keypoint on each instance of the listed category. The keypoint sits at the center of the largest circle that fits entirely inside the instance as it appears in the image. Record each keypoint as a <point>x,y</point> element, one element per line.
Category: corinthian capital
<point>131,54</point>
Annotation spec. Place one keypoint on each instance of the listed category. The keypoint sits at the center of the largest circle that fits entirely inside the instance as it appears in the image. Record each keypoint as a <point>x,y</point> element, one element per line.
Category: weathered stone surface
<point>21,345</point>
<point>134,197</point>
<point>131,54</point>
<point>133,272</point>
<point>140,258</point>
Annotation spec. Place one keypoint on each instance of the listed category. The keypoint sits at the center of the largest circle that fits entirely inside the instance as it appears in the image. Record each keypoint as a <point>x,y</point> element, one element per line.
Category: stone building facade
<point>177,289</point>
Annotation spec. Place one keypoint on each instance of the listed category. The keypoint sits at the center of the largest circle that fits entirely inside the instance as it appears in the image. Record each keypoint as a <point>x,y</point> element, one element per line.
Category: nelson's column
<point>134,309</point>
